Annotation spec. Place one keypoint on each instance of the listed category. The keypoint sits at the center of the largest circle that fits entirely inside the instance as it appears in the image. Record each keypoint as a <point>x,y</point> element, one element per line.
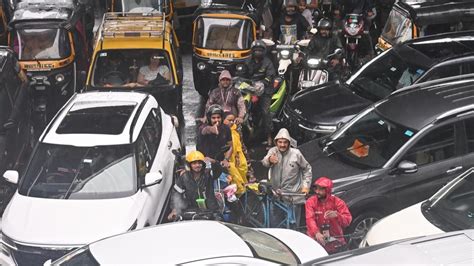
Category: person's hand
<point>172,216</point>
<point>320,238</point>
<point>180,172</point>
<point>273,159</point>
<point>214,129</point>
<point>208,159</point>
<point>225,163</point>
<point>305,190</point>
<point>238,120</point>
<point>330,214</point>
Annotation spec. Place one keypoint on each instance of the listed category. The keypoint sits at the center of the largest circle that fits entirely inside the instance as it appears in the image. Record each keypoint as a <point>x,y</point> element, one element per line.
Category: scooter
<point>354,26</point>
<point>315,70</point>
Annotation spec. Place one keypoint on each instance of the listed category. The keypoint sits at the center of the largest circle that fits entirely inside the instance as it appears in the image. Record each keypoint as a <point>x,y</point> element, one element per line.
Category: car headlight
<point>285,54</point>
<point>313,62</point>
<point>59,78</point>
<point>201,66</point>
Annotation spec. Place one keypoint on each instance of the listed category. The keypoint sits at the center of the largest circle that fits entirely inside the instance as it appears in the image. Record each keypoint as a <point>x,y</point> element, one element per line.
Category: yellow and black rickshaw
<point>50,39</point>
<point>412,19</point>
<point>222,37</point>
<point>5,14</point>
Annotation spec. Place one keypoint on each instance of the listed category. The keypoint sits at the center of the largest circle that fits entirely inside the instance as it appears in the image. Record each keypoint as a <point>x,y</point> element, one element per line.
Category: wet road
<point>190,100</point>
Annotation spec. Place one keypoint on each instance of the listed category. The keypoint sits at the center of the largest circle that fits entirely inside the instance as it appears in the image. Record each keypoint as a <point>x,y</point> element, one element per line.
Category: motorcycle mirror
<point>262,28</point>
<point>313,31</point>
<point>268,42</point>
<point>303,43</point>
<point>338,51</point>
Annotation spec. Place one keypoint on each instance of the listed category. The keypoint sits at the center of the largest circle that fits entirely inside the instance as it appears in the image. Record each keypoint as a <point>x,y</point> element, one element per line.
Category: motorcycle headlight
<point>201,66</point>
<point>313,62</point>
<point>285,54</point>
<point>59,78</point>
<point>239,67</point>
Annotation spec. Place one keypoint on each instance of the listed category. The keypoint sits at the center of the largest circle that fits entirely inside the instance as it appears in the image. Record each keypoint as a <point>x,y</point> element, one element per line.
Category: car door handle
<point>453,169</point>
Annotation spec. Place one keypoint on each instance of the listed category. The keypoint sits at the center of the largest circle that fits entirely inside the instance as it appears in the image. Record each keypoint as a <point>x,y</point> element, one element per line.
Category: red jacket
<point>315,210</point>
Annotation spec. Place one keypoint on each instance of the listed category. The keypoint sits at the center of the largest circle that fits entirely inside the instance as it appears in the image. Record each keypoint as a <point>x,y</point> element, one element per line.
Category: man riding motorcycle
<point>292,26</point>
<point>260,68</point>
<point>325,43</point>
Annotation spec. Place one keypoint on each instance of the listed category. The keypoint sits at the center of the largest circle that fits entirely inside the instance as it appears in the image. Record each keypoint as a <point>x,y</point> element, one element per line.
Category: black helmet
<point>212,110</point>
<point>292,11</point>
<point>324,23</point>
<point>259,49</point>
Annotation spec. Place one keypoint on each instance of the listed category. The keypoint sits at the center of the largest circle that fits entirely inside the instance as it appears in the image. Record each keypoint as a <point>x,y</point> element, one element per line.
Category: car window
<point>443,72</point>
<point>469,125</point>
<point>152,132</point>
<point>437,145</point>
<point>468,67</point>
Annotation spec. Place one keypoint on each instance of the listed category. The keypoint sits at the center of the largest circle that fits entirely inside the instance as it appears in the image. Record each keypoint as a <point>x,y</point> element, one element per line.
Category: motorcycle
<point>315,70</point>
<point>354,29</point>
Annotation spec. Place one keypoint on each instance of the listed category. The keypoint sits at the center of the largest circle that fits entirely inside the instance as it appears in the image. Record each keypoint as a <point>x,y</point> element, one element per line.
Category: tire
<point>360,226</point>
<point>254,211</point>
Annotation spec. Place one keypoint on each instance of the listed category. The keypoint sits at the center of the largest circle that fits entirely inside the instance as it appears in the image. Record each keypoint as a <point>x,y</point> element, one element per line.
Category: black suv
<point>318,110</point>
<point>16,140</point>
<point>398,151</point>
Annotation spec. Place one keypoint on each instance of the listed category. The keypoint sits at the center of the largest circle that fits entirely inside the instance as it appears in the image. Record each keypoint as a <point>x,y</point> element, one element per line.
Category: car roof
<point>452,248</point>
<point>171,244</point>
<point>427,51</point>
<point>73,125</point>
<point>419,105</point>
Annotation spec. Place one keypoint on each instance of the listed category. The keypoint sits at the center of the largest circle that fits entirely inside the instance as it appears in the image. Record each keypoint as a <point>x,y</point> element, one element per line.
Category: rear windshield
<point>223,34</point>
<point>109,120</point>
<point>41,44</point>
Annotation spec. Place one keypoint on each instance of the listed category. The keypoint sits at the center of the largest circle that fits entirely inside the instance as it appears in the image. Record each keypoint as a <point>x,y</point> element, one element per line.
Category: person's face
<point>282,145</point>
<point>324,32</point>
<point>302,6</point>
<point>229,120</point>
<point>320,192</point>
<point>216,119</point>
<point>196,166</point>
<point>225,83</point>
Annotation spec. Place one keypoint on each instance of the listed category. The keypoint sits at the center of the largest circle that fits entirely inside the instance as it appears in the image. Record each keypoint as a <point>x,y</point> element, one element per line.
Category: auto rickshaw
<point>139,52</point>
<point>16,138</point>
<point>50,39</point>
<point>142,6</point>
<point>412,19</point>
<point>223,32</point>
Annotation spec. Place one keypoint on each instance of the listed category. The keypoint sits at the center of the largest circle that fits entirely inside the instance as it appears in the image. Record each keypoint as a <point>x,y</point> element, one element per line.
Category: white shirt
<point>151,74</point>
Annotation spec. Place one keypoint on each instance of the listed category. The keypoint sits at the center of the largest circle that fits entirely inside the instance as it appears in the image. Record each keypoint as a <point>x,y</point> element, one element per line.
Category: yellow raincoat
<point>238,163</point>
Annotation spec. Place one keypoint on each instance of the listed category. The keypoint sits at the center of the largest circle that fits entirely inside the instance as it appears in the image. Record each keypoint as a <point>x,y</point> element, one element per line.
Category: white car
<point>450,209</point>
<point>199,243</point>
<point>102,167</point>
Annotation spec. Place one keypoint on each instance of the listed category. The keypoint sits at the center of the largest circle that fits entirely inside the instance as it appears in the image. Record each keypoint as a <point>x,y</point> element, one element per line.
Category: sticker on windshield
<point>393,69</point>
<point>102,54</point>
<point>420,71</point>
<point>381,122</point>
<point>409,133</point>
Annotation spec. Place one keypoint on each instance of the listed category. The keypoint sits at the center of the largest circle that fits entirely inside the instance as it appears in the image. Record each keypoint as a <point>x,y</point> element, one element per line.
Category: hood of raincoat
<point>325,182</point>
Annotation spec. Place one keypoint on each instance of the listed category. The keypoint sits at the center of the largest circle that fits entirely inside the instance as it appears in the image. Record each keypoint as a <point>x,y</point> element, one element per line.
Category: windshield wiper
<point>79,168</point>
<point>225,37</point>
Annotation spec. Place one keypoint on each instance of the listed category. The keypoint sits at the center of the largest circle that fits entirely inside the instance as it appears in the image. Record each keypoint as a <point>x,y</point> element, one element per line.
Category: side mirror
<point>407,167</point>
<point>268,42</point>
<point>82,76</point>
<point>11,176</point>
<point>303,43</point>
<point>48,263</point>
<point>338,51</point>
<point>313,31</point>
<point>339,125</point>
<point>152,179</point>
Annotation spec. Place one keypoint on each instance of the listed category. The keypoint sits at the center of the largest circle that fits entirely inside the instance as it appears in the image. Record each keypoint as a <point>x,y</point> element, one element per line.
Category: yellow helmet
<point>194,156</point>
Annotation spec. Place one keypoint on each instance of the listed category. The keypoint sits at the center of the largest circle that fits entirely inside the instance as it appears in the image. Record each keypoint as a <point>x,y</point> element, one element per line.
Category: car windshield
<point>389,72</point>
<point>140,6</point>
<point>456,202</point>
<point>41,44</point>
<point>132,68</point>
<point>223,34</point>
<point>264,245</point>
<point>397,28</point>
<point>68,172</point>
<point>368,143</point>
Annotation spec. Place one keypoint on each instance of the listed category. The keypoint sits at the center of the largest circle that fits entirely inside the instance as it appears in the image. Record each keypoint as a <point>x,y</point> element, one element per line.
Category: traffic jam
<point>254,132</point>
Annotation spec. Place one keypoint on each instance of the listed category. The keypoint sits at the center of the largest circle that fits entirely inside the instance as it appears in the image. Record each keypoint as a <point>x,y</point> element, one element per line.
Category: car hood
<point>327,104</point>
<point>414,225</point>
<point>322,165</point>
<point>304,247</point>
<point>57,222</point>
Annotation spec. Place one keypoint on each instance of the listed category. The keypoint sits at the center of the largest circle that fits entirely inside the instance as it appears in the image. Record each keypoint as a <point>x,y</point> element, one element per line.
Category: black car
<point>398,151</point>
<point>318,110</point>
<point>16,139</point>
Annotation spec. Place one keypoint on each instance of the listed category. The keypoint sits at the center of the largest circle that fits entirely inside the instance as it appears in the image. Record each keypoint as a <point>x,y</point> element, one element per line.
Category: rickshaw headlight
<point>201,66</point>
<point>59,77</point>
<point>285,54</point>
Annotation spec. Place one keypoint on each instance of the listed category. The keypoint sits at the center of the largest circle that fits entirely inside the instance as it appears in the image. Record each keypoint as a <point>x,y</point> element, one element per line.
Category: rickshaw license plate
<point>40,88</point>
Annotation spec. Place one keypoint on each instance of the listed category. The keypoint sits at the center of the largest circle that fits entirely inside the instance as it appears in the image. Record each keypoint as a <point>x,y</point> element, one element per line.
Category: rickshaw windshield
<point>398,28</point>
<point>223,33</point>
<point>132,68</point>
<point>41,44</point>
<point>140,6</point>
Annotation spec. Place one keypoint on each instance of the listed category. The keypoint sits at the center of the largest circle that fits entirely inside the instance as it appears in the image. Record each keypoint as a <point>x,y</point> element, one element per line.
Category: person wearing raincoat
<point>327,216</point>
